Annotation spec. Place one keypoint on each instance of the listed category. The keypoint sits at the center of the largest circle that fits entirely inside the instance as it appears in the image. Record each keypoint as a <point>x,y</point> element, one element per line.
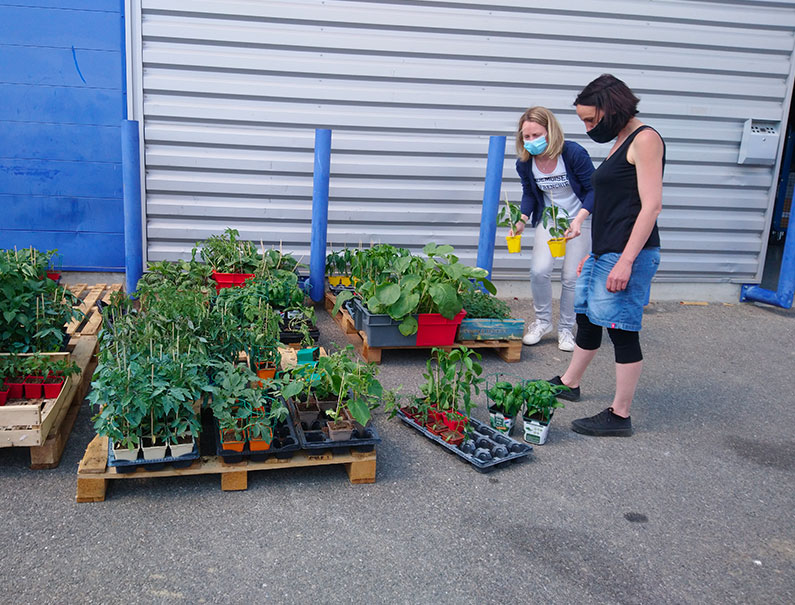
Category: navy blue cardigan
<point>579,169</point>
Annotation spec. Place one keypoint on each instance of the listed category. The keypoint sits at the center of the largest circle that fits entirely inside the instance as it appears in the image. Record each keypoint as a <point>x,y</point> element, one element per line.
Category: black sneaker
<point>604,424</point>
<point>571,395</point>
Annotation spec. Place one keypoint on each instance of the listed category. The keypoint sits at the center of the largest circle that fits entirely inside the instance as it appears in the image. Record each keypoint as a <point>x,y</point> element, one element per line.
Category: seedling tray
<point>155,464</point>
<point>485,449</point>
<point>284,444</point>
<point>318,439</point>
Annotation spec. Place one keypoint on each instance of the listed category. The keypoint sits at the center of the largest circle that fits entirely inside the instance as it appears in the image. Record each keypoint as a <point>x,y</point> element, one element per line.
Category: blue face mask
<point>536,146</point>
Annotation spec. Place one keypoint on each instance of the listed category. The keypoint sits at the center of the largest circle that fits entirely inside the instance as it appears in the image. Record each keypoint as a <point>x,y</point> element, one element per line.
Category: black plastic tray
<point>483,438</point>
<point>156,464</point>
<point>318,440</point>
<point>284,444</point>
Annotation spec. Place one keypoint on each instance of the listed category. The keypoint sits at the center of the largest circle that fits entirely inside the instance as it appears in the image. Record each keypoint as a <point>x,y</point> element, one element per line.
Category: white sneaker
<point>565,340</point>
<point>536,330</point>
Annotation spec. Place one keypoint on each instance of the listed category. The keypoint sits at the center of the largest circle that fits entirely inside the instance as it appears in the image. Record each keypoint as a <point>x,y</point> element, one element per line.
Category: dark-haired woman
<point>614,281</point>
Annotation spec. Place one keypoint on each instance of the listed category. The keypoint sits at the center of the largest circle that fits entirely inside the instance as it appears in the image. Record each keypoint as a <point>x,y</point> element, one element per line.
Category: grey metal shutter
<point>230,94</point>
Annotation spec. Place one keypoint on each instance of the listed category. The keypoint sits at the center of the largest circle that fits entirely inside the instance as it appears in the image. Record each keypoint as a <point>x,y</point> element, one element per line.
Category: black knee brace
<point>626,345</point>
<point>589,336</point>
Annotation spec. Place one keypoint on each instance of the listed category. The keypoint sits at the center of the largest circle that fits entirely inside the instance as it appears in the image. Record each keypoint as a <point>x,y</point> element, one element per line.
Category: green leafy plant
<point>226,253</point>
<point>340,262</point>
<point>540,399</point>
<point>507,398</point>
<point>33,308</point>
<point>556,219</point>
<point>419,285</point>
<point>451,379</point>
<point>509,214</point>
<point>482,305</point>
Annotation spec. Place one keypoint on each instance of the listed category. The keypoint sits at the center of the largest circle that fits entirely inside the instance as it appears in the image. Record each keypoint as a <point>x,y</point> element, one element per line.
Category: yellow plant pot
<point>557,246</point>
<point>339,280</point>
<point>514,243</point>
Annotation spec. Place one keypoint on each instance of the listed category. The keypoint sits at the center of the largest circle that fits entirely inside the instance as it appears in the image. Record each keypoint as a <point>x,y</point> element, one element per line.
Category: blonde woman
<point>553,170</point>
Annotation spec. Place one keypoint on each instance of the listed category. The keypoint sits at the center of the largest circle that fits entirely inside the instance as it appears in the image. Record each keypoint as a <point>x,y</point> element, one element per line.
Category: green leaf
<point>446,299</point>
<point>406,304</point>
<point>408,326</point>
<point>359,410</point>
<point>387,294</point>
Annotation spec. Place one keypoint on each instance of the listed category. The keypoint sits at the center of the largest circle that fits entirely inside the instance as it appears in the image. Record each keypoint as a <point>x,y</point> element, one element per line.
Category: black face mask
<point>603,131</point>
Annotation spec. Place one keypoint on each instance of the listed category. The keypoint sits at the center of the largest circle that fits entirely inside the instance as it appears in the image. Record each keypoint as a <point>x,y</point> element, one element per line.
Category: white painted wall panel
<point>232,92</point>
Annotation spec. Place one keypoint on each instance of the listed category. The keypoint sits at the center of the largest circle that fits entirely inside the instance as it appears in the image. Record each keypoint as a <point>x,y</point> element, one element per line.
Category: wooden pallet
<point>89,295</point>
<point>93,472</point>
<point>509,350</point>
<point>48,439</point>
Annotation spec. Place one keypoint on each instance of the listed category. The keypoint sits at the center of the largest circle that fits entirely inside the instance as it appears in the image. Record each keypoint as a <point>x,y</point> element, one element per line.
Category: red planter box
<point>227,280</point>
<point>53,275</point>
<point>3,395</point>
<point>437,331</point>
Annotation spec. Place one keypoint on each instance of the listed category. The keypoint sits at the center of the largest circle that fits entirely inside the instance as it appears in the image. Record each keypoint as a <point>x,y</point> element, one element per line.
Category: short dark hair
<point>613,97</point>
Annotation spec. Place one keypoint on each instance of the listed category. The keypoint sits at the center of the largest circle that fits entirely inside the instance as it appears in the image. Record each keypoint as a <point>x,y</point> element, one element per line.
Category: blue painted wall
<point>61,85</point>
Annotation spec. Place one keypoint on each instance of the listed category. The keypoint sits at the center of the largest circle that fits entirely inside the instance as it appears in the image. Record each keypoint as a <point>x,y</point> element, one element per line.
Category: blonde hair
<point>547,119</point>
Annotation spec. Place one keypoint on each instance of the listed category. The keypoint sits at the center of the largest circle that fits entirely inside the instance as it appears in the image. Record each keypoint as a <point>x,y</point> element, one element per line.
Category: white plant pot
<point>498,421</point>
<point>181,449</point>
<point>123,453</point>
<point>154,452</point>
<point>535,432</point>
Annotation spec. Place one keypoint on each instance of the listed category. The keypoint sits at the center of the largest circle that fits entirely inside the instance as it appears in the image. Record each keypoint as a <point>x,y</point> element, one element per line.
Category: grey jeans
<point>541,271</point>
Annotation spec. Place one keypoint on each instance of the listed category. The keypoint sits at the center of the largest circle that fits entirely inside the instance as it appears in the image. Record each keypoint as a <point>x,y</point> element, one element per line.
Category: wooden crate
<point>93,472</point>
<point>509,350</point>
<point>47,440</point>
<point>89,295</point>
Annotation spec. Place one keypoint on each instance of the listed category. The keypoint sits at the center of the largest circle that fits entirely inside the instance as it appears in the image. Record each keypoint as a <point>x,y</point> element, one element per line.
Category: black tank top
<point>617,201</point>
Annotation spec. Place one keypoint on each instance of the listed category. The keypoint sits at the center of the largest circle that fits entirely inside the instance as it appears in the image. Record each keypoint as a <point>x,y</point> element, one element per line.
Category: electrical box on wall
<point>759,143</point>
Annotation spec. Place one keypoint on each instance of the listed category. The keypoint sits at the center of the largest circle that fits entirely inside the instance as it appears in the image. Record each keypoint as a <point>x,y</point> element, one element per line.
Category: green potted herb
<point>540,404</point>
<point>508,216</point>
<point>507,400</point>
<point>556,219</point>
<point>338,268</point>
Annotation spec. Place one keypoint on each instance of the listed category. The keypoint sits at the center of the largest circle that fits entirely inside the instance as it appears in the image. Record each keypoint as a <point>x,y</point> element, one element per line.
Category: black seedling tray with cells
<point>283,445</point>
<point>313,437</point>
<point>484,448</point>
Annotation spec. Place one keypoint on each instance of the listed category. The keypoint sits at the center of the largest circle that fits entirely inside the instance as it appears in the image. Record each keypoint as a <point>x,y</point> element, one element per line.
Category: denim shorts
<point>622,310</point>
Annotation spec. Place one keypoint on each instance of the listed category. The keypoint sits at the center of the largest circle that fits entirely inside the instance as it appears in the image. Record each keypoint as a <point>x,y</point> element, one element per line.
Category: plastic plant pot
<point>535,431</point>
<point>228,280</point>
<point>230,442</point>
<point>514,243</point>
<point>557,246</point>
<point>455,421</point>
<point>435,330</point>
<point>32,386</point>
<point>52,386</point>
<point>184,448</point>
<point>341,430</point>
<point>255,444</point>
<point>15,388</point>
<point>3,395</point>
<point>339,280</point>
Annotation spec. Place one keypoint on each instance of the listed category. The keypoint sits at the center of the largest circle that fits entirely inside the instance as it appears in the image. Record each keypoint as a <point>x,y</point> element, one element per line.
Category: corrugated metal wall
<point>233,90</point>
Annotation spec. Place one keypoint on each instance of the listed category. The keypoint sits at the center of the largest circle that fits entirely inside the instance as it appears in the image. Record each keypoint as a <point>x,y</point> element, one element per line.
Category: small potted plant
<point>59,371</point>
<point>338,269</point>
<point>540,404</point>
<point>507,399</point>
<point>451,380</point>
<point>556,220</point>
<point>508,216</point>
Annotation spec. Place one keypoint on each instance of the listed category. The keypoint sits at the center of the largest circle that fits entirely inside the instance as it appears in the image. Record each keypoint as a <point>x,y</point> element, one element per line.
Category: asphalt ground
<point>696,507</point>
